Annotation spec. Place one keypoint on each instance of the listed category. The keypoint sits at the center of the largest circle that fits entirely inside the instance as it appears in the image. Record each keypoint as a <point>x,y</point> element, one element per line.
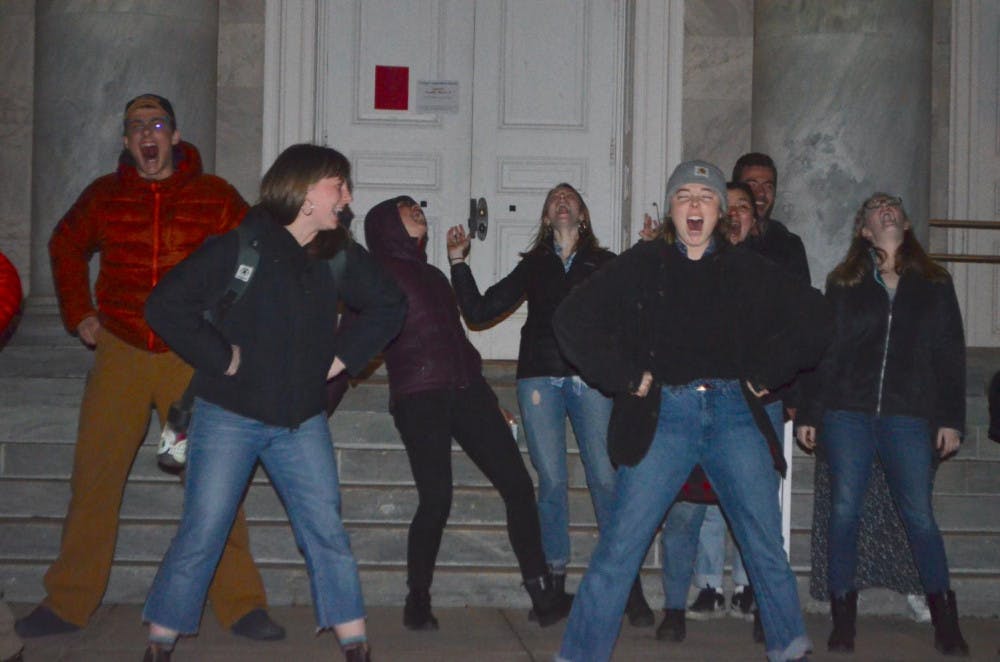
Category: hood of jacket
<point>386,236</point>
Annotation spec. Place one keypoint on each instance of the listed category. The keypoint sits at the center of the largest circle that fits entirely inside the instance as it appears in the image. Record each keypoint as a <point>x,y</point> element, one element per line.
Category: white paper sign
<point>437,96</point>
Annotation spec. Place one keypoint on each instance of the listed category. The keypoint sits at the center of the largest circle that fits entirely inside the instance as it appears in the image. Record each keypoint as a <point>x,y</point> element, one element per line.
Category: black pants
<point>427,422</point>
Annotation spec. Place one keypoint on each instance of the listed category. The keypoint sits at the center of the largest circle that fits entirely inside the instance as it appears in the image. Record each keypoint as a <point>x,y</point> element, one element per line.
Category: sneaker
<point>171,454</point>
<point>741,604</point>
<point>710,603</point>
<point>919,611</point>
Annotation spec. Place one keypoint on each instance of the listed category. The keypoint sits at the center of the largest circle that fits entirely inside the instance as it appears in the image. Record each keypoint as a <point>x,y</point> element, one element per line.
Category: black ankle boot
<point>358,653</point>
<point>944,614</point>
<point>845,613</point>
<point>549,604</point>
<point>417,611</point>
<point>637,609</point>
<point>559,585</point>
<point>673,627</point>
<point>157,653</point>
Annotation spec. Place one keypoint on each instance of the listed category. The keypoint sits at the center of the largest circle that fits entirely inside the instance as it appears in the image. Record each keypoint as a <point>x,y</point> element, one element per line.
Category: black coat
<point>779,324</point>
<point>922,345</point>
<point>284,323</point>
<point>432,350</point>
<point>783,247</point>
<point>541,279</point>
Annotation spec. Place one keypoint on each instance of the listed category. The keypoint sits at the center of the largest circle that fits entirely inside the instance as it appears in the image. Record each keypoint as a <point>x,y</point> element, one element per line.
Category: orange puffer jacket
<point>141,228</point>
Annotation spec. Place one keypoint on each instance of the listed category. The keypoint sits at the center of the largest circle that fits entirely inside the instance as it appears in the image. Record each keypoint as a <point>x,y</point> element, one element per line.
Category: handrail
<point>973,225</point>
<point>966,225</point>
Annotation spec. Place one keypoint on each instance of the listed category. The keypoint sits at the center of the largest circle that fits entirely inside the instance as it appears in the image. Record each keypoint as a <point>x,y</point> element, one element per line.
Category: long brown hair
<point>910,255</point>
<point>543,238</point>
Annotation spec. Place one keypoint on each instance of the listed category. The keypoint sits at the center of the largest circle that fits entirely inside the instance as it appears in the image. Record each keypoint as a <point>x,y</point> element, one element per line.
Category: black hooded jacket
<point>284,322</point>
<point>541,279</point>
<point>432,350</point>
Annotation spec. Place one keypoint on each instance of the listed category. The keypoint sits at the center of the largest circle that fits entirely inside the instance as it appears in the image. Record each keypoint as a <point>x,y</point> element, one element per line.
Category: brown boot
<point>157,653</point>
<point>358,653</point>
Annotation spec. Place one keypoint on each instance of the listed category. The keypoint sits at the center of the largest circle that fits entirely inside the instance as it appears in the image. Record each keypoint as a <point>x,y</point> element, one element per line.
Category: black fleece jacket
<point>284,323</point>
<point>767,325</point>
<point>918,336</point>
<point>541,279</point>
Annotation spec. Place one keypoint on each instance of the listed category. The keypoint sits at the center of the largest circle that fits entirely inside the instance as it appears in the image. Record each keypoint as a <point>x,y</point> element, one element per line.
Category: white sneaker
<point>172,451</point>
<point>918,608</point>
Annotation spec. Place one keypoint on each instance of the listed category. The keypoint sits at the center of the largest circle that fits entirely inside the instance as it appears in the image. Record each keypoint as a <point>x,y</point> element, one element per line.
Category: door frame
<point>649,122</point>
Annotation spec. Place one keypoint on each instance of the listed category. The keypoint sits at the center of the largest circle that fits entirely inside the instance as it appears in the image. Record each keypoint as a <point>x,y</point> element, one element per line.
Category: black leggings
<point>427,422</point>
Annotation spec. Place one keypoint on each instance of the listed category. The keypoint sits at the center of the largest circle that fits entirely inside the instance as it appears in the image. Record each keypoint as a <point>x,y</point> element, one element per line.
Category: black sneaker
<point>741,604</point>
<point>710,603</point>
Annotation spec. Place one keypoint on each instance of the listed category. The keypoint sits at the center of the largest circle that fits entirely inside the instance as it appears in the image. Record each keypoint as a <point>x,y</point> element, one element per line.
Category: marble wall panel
<point>842,114</point>
<point>17,31</point>
<point>940,108</point>
<point>241,94</point>
<point>718,69</point>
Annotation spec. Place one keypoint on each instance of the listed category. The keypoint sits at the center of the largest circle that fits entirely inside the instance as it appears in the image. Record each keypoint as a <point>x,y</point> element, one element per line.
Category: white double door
<point>538,101</point>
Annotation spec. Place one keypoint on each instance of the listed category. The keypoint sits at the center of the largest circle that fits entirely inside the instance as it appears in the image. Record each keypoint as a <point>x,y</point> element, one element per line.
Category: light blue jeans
<point>223,449</point>
<point>545,403</point>
<point>713,427</point>
<point>695,533</point>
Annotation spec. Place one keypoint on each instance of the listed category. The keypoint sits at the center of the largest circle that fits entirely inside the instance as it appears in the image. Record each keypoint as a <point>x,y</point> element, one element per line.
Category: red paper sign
<point>392,88</point>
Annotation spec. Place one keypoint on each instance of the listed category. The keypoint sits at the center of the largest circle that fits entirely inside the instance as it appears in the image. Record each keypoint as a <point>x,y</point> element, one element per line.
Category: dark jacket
<point>919,338</point>
<point>141,228</point>
<point>783,247</point>
<point>604,327</point>
<point>432,350</point>
<point>541,279</point>
<point>284,322</point>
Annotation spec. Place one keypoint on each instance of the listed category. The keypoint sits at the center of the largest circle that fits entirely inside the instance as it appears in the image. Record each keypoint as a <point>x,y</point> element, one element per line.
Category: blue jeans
<point>906,448</point>
<point>545,403</point>
<point>713,427</point>
<point>698,528</point>
<point>223,449</point>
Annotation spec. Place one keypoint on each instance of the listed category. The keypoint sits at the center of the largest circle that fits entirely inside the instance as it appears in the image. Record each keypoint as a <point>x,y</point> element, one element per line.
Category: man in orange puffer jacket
<point>143,219</point>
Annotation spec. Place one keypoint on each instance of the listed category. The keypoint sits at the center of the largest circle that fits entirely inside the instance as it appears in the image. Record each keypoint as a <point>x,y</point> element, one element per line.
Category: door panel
<point>540,92</point>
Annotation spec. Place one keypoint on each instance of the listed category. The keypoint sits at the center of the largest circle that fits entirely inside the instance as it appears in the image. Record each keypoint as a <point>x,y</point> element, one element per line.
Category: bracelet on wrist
<point>455,260</point>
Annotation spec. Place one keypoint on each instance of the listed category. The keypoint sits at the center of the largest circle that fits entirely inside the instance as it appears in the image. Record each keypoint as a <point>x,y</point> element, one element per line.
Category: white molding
<point>290,86</point>
<point>657,143</point>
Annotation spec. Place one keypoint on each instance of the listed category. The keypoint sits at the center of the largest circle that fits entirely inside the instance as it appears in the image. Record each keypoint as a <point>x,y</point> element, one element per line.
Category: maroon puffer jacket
<point>142,229</point>
<point>432,351</point>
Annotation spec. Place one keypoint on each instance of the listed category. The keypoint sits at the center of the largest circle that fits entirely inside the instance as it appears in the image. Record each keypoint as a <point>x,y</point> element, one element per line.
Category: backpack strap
<point>246,265</point>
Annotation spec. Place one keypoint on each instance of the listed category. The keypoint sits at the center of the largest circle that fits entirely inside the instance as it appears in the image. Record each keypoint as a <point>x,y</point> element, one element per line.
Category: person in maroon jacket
<point>10,298</point>
<point>437,392</point>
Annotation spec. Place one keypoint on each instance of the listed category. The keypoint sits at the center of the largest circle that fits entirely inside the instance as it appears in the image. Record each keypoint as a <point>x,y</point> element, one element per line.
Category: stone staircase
<point>42,373</point>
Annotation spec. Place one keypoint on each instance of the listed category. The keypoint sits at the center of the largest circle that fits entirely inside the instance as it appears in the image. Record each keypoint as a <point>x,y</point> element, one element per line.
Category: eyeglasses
<point>879,203</point>
<point>154,124</point>
<point>684,198</point>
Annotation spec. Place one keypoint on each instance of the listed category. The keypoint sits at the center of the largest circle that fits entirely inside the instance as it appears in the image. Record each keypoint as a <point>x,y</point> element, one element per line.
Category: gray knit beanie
<point>698,172</point>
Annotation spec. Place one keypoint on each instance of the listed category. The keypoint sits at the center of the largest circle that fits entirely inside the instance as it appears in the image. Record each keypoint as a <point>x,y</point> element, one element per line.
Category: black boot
<point>944,614</point>
<point>559,585</point>
<point>549,604</point>
<point>845,613</point>
<point>417,611</point>
<point>358,653</point>
<point>637,609</point>
<point>157,653</point>
<point>673,627</point>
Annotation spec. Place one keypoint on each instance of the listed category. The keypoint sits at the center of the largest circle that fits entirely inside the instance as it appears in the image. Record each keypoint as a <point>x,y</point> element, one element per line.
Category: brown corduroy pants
<point>122,385</point>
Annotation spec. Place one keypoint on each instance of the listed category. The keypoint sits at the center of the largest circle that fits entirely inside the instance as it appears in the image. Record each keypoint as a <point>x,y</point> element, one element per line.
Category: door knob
<point>479,218</point>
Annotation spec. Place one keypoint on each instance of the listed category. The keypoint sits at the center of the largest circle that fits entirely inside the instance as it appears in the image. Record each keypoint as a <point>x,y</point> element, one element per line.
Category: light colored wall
<point>718,80</point>
<point>17,48</point>
<point>241,94</point>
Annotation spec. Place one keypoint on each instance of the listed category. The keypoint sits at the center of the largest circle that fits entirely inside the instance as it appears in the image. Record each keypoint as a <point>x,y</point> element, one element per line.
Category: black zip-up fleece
<point>541,278</point>
<point>922,346</point>
<point>284,323</point>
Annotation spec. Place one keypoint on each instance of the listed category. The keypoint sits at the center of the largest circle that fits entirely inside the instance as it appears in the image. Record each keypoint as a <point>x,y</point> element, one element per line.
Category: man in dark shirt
<point>770,237</point>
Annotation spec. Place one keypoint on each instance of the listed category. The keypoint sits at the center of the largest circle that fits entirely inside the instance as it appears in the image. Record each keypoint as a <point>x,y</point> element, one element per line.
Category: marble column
<point>90,58</point>
<point>842,102</point>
